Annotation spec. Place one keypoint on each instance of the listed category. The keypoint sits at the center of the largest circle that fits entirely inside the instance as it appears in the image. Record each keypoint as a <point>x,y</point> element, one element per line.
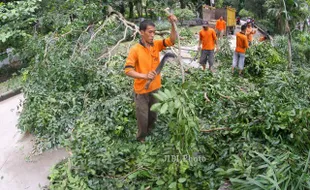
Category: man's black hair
<point>243,27</point>
<point>144,24</point>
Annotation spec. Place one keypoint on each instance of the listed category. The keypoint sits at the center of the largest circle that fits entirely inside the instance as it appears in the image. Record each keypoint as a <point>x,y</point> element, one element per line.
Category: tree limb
<point>179,47</point>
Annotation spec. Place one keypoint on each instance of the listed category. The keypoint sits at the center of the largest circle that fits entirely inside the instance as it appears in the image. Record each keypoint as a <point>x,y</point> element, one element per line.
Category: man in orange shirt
<point>141,64</point>
<point>241,46</point>
<point>207,38</point>
<point>249,33</point>
<point>220,27</point>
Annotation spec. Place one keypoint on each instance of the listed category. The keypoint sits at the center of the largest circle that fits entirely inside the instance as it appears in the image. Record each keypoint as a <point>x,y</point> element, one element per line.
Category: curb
<point>10,94</point>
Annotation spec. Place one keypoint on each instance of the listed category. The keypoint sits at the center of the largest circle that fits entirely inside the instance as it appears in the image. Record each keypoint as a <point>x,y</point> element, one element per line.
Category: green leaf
<point>177,103</point>
<point>162,95</point>
<point>164,108</point>
<point>156,107</point>
<point>132,176</point>
<point>168,94</point>
<point>173,185</point>
<point>182,180</point>
<point>160,182</point>
<point>158,96</point>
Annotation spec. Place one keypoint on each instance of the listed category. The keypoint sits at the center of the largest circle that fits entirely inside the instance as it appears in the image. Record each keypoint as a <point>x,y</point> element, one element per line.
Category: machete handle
<point>147,85</point>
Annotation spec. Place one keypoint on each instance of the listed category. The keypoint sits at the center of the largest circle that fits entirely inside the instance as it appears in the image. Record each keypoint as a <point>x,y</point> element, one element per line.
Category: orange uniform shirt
<point>249,32</point>
<point>220,25</point>
<point>144,60</point>
<point>241,43</point>
<point>208,38</point>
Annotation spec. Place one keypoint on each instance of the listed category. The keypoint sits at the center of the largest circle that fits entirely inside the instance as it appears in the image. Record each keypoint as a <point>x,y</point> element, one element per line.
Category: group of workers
<point>144,58</point>
<point>208,39</point>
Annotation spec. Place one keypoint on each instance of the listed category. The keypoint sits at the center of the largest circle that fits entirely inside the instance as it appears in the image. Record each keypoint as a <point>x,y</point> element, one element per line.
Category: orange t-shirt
<point>220,25</point>
<point>144,60</point>
<point>207,38</point>
<point>249,32</point>
<point>241,43</point>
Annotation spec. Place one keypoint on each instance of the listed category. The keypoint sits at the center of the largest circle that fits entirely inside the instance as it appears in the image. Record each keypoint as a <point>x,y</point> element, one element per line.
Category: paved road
<point>19,168</point>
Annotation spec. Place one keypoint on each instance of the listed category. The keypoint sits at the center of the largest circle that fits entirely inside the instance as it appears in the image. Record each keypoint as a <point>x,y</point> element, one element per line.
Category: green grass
<point>11,84</point>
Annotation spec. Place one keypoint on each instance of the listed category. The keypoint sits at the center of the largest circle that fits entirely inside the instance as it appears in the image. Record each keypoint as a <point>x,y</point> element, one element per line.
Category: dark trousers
<point>145,117</point>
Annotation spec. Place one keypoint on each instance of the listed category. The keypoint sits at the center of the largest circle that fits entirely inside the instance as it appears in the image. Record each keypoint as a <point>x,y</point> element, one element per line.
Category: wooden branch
<point>128,24</point>
<point>113,48</point>
<point>77,42</point>
<point>140,168</point>
<point>215,129</point>
<point>161,33</point>
<point>206,97</point>
<point>179,47</point>
<point>227,97</point>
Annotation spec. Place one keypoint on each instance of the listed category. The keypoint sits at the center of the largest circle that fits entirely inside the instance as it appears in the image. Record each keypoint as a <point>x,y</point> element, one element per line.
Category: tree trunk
<point>182,3</point>
<point>130,9</point>
<point>289,45</point>
<point>122,8</point>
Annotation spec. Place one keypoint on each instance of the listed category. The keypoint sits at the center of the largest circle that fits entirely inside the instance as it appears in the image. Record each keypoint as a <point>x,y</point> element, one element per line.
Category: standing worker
<point>207,38</point>
<point>249,33</point>
<point>241,46</point>
<point>220,27</point>
<point>141,64</point>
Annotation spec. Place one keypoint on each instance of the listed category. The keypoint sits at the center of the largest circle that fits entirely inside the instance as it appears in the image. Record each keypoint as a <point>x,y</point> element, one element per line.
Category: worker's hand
<point>198,48</point>
<point>151,75</point>
<point>172,18</point>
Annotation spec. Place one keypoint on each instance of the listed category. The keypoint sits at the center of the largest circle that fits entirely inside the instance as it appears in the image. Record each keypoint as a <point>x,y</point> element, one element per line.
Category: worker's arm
<point>130,67</point>
<point>246,44</point>
<point>215,41</point>
<point>136,75</point>
<point>199,42</point>
<point>173,34</point>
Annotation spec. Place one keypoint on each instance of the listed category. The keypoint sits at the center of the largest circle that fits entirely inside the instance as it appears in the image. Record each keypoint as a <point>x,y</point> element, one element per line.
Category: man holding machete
<point>141,64</point>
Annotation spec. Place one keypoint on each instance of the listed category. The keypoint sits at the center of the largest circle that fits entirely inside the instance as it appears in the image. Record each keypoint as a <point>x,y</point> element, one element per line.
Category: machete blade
<point>159,67</point>
<point>162,62</point>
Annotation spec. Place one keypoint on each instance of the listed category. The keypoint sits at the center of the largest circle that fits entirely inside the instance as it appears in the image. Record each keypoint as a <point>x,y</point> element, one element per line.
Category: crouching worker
<point>141,63</point>
<point>241,46</point>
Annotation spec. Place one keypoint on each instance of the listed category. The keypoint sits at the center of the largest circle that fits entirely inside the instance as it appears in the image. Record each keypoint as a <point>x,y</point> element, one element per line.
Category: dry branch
<point>128,24</point>
<point>227,97</point>
<point>206,97</point>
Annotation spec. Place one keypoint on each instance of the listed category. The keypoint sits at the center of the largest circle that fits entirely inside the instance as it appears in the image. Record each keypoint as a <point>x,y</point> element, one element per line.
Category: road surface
<point>19,168</point>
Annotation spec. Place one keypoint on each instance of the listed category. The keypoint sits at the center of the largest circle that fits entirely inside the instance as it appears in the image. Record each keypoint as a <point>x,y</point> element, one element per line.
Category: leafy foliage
<point>79,99</point>
<point>16,17</point>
